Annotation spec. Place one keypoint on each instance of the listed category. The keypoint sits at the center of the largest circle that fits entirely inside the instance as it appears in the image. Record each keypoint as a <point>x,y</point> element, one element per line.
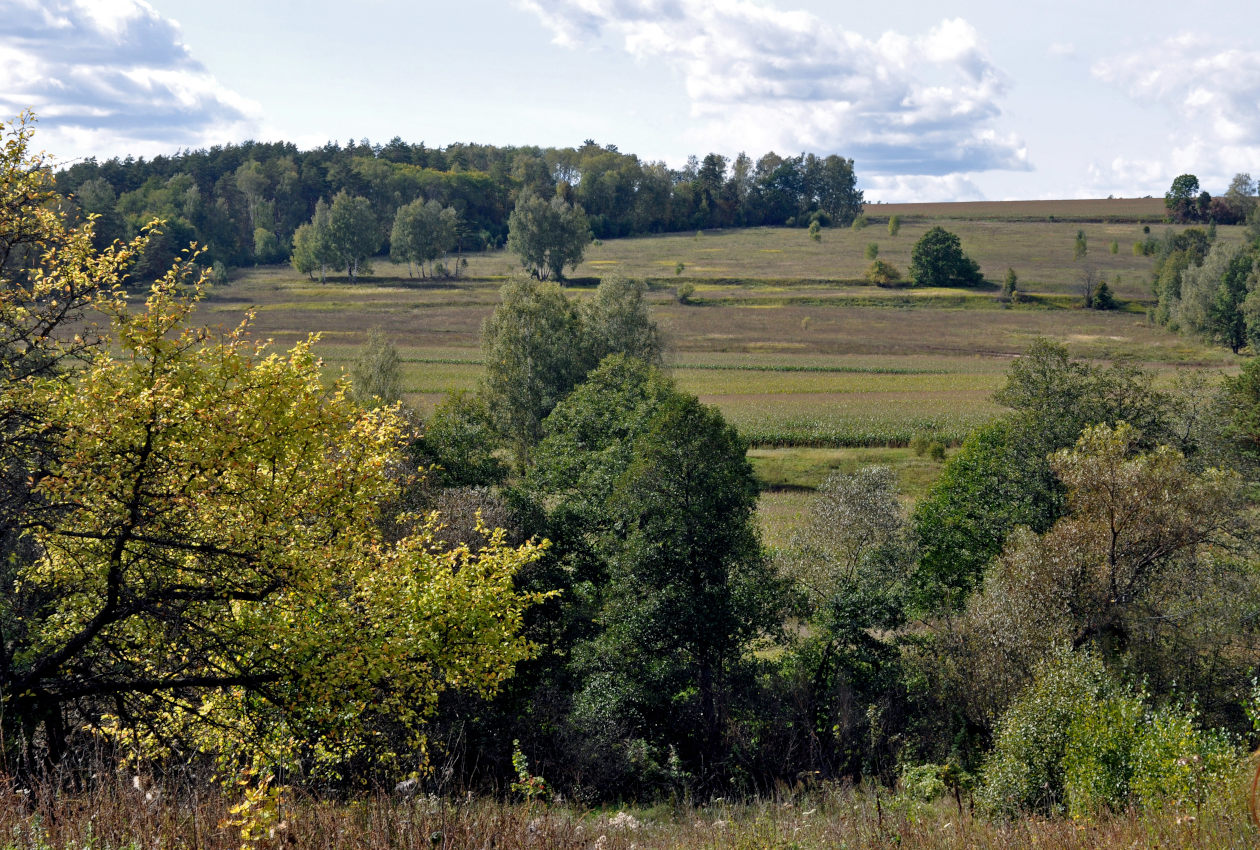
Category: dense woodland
<point>244,203</point>
<point>216,564</point>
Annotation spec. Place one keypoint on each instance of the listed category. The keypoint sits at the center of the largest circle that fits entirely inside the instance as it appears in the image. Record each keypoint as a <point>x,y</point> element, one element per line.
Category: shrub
<point>872,250</point>
<point>1115,246</point>
<point>815,231</point>
<point>1103,299</point>
<point>685,291</point>
<point>936,450</point>
<point>920,443</point>
<point>1078,740</point>
<point>894,225</point>
<point>924,782</point>
<point>883,273</point>
<point>679,267</point>
<point>859,222</point>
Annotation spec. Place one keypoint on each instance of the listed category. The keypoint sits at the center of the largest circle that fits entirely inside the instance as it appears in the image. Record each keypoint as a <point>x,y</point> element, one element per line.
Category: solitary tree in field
<point>937,259</point>
<point>548,235</point>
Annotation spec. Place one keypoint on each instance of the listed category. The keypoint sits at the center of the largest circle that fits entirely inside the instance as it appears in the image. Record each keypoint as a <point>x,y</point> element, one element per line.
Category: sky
<point>967,100</point>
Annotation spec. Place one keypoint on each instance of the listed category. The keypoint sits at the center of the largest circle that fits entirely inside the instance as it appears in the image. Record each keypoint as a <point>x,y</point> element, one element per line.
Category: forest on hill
<point>244,202</point>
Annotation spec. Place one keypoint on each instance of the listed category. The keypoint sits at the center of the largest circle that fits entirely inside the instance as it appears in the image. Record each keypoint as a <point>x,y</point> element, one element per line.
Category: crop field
<point>816,369</point>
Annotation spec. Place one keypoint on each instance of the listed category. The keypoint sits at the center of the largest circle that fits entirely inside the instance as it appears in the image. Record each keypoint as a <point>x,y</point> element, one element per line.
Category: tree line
<point>247,203</point>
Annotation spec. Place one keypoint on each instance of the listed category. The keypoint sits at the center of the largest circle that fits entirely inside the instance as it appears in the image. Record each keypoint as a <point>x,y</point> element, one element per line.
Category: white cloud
<point>762,78</point>
<point>1062,48</point>
<point>921,188</point>
<point>1212,91</point>
<point>110,77</point>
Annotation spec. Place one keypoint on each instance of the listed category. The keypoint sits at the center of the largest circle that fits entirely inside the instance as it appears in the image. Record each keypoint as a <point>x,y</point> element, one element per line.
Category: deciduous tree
<point>549,236</point>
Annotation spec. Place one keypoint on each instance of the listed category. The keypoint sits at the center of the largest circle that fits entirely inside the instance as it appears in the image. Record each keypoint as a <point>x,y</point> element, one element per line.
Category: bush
<point>872,250</point>
<point>685,291</point>
<point>883,273</point>
<point>924,782</point>
<point>815,231</point>
<point>920,443</point>
<point>894,225</point>
<point>936,451</point>
<point>1103,299</point>
<point>859,222</point>
<point>1078,740</point>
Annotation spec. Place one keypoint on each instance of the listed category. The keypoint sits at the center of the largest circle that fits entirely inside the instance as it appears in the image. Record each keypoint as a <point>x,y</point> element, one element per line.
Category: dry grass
<point>117,817</point>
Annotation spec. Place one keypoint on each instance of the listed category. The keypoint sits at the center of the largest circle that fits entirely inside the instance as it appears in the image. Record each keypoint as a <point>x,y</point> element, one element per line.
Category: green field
<point>817,370</point>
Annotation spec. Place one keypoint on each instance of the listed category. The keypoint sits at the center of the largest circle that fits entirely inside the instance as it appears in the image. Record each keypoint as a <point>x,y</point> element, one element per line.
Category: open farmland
<point>806,362</point>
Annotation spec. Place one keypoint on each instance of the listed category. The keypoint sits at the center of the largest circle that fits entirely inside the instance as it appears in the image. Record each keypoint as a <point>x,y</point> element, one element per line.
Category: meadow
<point>781,333</point>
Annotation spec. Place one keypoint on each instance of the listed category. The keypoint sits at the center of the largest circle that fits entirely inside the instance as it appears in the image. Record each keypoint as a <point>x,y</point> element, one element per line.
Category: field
<point>818,370</point>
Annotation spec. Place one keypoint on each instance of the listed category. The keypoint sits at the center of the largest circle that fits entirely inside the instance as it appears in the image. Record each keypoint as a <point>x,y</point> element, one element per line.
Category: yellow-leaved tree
<point>192,525</point>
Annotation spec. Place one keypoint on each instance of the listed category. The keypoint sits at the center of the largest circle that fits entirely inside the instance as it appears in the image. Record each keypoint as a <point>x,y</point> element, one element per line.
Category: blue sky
<point>933,101</point>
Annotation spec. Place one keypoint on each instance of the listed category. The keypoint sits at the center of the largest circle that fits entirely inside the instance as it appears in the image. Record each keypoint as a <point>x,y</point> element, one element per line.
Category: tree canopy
<point>937,259</point>
<point>197,561</point>
<point>549,236</point>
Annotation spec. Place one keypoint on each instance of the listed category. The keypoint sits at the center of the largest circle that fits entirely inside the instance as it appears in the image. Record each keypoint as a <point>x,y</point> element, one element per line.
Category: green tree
<point>376,375</point>
<point>894,224</point>
<point>652,492</point>
<point>1213,295</point>
<point>1001,478</point>
<point>353,234</point>
<point>548,236</point>
<point>850,563</point>
<point>200,566</point>
<point>1103,299</point>
<point>535,353</point>
<point>937,259</point>
<point>423,232</point>
<point>458,439</point>
<point>616,320</point>
<point>1181,199</point>
<point>1080,247</point>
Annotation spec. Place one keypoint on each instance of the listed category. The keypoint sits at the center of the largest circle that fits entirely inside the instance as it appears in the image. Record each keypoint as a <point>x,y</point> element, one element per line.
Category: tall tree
<point>422,232</point>
<point>548,236</point>
<point>353,234</point>
<point>535,353</point>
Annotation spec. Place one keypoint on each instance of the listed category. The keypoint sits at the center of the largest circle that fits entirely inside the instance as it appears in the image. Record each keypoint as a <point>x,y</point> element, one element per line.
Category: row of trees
<point>245,203</point>
<point>1207,287</point>
<point>1185,201</point>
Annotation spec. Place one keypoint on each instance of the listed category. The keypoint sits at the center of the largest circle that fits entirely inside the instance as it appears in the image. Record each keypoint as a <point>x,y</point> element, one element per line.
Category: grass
<point>116,817</point>
<point>808,362</point>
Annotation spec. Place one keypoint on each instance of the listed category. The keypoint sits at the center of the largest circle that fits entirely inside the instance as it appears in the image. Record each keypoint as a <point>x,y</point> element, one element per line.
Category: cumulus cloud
<point>922,188</point>
<point>762,78</point>
<point>1213,92</point>
<point>111,77</point>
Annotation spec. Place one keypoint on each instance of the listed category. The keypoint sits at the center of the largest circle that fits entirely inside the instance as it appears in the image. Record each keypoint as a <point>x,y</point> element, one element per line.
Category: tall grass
<point>116,816</point>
